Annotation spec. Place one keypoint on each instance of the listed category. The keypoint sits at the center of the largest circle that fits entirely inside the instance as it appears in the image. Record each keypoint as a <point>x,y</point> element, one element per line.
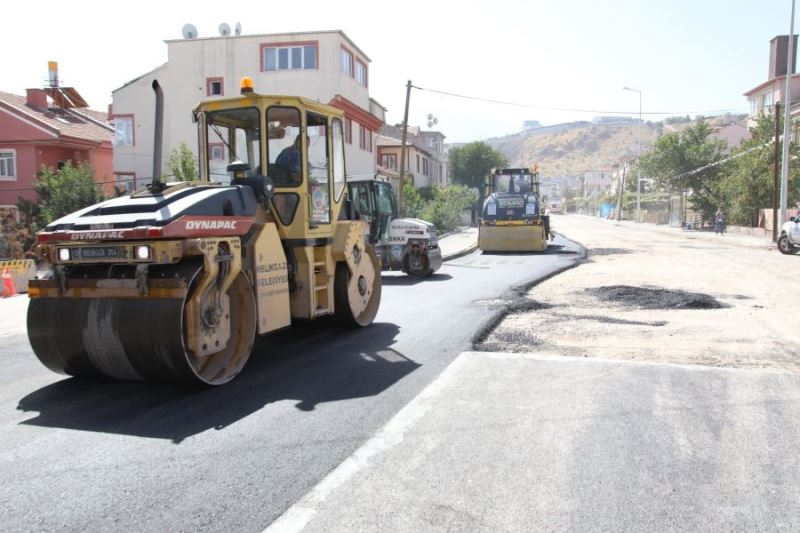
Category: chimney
<point>37,98</point>
<point>778,53</point>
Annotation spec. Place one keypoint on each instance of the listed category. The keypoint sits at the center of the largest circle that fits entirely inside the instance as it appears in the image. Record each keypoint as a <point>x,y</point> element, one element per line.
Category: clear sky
<point>686,56</point>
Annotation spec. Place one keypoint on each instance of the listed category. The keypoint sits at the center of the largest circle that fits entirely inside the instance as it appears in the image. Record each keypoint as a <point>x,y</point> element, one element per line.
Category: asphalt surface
<point>77,454</point>
<point>519,443</point>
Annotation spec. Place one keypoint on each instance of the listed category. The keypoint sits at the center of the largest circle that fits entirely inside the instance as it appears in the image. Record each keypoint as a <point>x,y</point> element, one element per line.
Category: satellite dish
<point>238,28</point>
<point>189,31</point>
<point>224,29</point>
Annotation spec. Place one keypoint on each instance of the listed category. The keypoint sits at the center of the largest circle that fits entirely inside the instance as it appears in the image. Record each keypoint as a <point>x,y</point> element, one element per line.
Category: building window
<point>125,182</point>
<point>768,99</point>
<point>347,62</point>
<point>216,151</point>
<point>389,161</point>
<point>8,164</point>
<point>362,137</point>
<point>417,162</point>
<point>369,147</point>
<point>361,73</point>
<point>123,130</point>
<point>289,56</point>
<point>214,87</point>
<point>348,131</point>
<point>425,167</point>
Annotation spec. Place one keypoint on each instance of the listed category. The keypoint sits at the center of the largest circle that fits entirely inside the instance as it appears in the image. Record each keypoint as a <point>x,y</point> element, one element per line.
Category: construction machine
<point>406,244</point>
<point>511,219</point>
<point>174,281</point>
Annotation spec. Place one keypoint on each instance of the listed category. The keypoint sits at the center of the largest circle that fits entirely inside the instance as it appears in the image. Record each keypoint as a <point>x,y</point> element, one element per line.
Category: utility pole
<point>403,152</point>
<point>787,105</point>
<point>638,153</point>
<point>621,189</point>
<point>775,173</point>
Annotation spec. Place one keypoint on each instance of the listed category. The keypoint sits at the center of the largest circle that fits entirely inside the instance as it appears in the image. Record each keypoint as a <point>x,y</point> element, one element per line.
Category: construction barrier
<point>21,270</point>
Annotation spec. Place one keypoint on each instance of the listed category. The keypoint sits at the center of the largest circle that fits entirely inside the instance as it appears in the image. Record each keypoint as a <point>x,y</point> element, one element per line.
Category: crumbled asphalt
<point>654,297</point>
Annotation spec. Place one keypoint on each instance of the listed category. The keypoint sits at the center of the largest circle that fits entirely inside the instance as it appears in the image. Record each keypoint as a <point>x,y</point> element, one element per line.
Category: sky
<point>685,56</point>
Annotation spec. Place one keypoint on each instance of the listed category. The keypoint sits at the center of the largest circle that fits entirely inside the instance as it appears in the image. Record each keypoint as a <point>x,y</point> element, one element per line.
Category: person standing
<point>719,222</point>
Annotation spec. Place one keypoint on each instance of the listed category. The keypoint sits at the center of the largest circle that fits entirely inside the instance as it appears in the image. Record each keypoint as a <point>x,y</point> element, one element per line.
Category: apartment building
<point>325,66</point>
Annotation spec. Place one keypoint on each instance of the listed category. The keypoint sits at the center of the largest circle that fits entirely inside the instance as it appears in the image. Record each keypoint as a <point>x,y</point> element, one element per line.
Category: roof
<point>82,124</point>
<point>768,83</point>
<point>273,35</point>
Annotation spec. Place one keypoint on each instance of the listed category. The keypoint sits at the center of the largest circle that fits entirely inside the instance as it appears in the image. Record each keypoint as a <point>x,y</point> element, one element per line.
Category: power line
<point>574,110</point>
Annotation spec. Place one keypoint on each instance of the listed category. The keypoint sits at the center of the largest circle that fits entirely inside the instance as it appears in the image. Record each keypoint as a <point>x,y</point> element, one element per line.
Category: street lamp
<point>639,151</point>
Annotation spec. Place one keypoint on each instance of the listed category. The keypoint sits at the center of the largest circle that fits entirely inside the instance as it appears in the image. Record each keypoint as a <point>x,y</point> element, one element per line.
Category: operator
<point>289,159</point>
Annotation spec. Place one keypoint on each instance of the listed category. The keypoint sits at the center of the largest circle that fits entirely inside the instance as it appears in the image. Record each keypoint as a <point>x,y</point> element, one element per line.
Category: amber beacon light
<point>246,85</point>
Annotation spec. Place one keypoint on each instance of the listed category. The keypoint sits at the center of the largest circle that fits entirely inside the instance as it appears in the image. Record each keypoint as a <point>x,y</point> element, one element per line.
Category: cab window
<point>233,135</point>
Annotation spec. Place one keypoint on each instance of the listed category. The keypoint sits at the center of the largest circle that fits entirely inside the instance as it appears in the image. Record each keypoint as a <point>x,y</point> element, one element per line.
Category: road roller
<point>174,281</point>
<point>511,219</point>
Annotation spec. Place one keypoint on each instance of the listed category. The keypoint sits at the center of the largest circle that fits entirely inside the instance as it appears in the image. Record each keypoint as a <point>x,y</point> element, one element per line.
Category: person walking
<point>719,222</point>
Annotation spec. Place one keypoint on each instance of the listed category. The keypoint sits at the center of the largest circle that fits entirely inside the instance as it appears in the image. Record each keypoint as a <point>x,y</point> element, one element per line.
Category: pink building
<point>47,128</point>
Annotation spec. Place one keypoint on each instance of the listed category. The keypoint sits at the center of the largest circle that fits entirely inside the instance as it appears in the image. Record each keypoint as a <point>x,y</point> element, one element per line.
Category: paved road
<point>96,455</point>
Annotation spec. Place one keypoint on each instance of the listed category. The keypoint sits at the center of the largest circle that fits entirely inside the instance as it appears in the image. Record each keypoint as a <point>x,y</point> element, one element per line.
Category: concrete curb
<point>461,253</point>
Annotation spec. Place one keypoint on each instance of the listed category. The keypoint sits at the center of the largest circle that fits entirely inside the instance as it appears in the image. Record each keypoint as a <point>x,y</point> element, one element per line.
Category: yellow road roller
<point>511,219</point>
<point>174,281</point>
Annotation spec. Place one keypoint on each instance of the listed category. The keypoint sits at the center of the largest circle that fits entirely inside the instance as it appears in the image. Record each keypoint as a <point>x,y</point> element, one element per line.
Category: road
<point>96,455</point>
<point>643,414</point>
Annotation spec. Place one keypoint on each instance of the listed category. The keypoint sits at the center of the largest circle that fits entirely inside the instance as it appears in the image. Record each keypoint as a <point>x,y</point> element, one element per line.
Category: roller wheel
<point>417,265</point>
<point>138,339</point>
<point>350,292</point>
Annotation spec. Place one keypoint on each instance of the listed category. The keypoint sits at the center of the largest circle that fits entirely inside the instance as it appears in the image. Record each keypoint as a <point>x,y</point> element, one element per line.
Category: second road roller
<point>174,281</point>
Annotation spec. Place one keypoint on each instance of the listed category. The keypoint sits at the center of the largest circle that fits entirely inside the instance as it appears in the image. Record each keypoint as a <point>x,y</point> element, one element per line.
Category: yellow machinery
<point>511,219</point>
<point>174,281</point>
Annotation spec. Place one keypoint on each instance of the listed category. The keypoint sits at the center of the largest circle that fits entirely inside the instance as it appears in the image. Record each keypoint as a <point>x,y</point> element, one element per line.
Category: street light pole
<point>638,152</point>
<point>787,105</point>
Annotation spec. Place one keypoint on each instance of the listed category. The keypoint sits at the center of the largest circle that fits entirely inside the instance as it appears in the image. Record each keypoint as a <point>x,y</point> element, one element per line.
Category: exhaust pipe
<point>156,186</point>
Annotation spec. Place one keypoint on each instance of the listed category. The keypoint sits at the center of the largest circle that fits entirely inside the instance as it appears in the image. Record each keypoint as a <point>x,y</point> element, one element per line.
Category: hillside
<point>572,149</point>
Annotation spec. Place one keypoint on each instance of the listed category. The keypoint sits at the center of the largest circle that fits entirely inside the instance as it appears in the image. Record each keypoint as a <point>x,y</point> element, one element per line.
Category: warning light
<point>246,86</point>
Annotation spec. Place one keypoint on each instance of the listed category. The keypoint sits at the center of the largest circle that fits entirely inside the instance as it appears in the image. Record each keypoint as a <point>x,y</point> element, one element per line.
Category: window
<point>425,166</point>
<point>125,182</point>
<point>417,162</point>
<point>362,137</point>
<point>338,160</point>
<point>347,62</point>
<point>289,56</point>
<point>361,73</point>
<point>8,164</point>
<point>389,161</point>
<point>768,99</point>
<point>239,131</point>
<point>123,130</point>
<point>214,87</point>
<point>348,131</point>
<point>369,147</point>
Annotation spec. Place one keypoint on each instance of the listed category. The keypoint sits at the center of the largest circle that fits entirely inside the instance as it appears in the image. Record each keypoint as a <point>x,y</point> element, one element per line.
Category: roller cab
<point>174,281</point>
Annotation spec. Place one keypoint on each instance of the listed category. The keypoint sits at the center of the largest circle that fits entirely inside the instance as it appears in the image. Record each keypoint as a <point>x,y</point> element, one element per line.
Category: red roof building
<point>44,129</point>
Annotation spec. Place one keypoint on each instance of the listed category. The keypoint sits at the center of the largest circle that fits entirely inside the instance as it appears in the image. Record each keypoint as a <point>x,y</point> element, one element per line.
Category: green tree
<point>63,191</point>
<point>680,161</point>
<point>470,164</point>
<point>412,201</point>
<point>444,210</point>
<point>749,182</point>
<point>183,164</point>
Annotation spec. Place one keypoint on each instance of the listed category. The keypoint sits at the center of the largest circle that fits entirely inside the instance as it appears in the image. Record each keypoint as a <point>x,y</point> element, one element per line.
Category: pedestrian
<point>719,222</point>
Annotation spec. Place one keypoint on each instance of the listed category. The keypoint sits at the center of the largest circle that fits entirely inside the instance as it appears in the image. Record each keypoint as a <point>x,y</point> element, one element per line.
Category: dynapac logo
<point>211,224</point>
<point>96,235</point>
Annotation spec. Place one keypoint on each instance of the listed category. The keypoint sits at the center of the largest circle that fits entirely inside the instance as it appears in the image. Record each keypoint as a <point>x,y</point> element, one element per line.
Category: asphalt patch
<point>654,298</point>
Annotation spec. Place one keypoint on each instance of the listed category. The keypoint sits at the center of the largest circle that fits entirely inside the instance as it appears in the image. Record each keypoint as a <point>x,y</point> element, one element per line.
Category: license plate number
<point>100,252</point>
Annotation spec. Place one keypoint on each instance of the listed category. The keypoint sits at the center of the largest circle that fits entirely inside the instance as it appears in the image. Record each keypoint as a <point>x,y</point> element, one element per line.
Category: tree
<point>749,181</point>
<point>448,202</point>
<point>64,191</point>
<point>183,164</point>
<point>470,164</point>
<point>680,161</point>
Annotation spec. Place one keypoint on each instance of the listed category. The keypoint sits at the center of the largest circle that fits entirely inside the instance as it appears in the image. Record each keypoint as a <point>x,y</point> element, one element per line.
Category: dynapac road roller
<point>174,281</point>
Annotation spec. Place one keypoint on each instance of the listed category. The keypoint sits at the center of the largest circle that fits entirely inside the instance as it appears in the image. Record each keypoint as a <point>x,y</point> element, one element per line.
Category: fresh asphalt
<point>77,454</point>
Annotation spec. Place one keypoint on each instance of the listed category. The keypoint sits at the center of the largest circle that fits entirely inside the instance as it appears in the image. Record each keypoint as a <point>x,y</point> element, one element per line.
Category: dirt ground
<point>662,295</point>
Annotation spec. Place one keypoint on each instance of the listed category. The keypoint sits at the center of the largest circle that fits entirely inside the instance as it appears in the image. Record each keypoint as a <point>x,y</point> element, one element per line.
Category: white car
<point>789,239</point>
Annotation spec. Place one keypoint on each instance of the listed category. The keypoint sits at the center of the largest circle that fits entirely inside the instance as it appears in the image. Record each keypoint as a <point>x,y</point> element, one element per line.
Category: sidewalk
<point>461,242</point>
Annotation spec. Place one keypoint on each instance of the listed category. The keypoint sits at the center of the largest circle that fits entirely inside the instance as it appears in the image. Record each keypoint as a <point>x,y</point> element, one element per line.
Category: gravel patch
<point>654,298</point>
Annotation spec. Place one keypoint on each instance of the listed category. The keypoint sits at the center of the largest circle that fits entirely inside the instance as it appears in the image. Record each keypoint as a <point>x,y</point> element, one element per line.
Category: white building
<point>324,66</point>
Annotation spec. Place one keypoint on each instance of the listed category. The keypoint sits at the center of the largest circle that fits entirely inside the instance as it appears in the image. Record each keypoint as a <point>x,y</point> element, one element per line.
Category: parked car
<point>789,238</point>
